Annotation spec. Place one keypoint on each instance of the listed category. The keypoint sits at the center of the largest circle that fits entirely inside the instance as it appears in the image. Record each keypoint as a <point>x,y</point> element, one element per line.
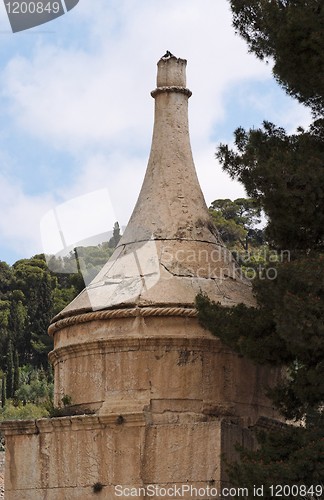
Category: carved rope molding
<point>173,88</point>
<point>134,312</point>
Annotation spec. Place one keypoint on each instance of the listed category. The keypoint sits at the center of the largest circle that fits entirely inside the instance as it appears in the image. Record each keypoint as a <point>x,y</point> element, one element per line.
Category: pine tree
<point>285,175</point>
<point>36,283</point>
<point>236,220</point>
<point>290,32</point>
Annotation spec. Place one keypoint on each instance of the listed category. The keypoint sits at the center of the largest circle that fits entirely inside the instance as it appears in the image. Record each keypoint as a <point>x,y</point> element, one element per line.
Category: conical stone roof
<point>170,250</point>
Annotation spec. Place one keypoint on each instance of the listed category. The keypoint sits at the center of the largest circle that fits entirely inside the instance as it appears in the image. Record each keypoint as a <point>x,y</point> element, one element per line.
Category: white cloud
<point>119,174</point>
<point>19,223</point>
<point>215,183</point>
<point>276,106</point>
<point>91,98</point>
<point>73,98</point>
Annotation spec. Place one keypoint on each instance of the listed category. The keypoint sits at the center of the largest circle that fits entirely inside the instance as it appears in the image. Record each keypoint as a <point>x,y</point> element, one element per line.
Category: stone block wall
<point>65,457</point>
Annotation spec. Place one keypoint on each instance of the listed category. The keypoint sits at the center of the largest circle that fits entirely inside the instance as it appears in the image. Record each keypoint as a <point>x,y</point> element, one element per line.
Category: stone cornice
<point>75,422</point>
<point>110,345</point>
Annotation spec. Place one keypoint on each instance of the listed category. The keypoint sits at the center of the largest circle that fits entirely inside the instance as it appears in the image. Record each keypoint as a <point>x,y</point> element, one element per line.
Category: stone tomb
<point>155,398</point>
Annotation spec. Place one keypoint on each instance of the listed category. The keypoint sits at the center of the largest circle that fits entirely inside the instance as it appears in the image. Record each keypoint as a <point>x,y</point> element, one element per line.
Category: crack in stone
<point>192,276</point>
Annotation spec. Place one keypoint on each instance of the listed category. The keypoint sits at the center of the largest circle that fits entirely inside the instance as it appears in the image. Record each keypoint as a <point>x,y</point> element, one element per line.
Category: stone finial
<point>171,71</point>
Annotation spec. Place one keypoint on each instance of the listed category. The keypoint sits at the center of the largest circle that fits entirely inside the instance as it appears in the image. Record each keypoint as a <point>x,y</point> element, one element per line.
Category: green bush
<point>22,412</point>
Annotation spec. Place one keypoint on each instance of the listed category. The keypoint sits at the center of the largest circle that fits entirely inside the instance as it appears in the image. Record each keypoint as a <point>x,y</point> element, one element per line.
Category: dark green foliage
<point>3,391</point>
<point>91,260</point>
<point>16,373</point>
<point>290,455</point>
<point>18,411</point>
<point>243,211</point>
<point>289,32</point>
<point>5,278</point>
<point>286,329</point>
<point>9,371</point>
<point>4,331</point>
<point>236,221</point>
<point>66,400</point>
<point>114,240</point>
<point>32,291</point>
<point>285,174</point>
<point>18,319</point>
<point>36,284</point>
<point>247,330</point>
<point>62,297</point>
<point>36,386</point>
<point>79,267</point>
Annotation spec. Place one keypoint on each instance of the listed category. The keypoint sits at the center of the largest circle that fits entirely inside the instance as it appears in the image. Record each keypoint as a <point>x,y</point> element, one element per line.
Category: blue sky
<point>77,115</point>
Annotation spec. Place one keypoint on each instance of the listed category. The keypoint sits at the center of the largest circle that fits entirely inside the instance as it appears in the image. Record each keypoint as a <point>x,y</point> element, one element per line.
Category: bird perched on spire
<point>167,55</point>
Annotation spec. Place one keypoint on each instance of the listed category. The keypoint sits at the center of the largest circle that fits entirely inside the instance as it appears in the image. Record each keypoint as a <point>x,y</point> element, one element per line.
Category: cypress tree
<point>3,391</point>
<point>16,373</point>
<point>9,382</point>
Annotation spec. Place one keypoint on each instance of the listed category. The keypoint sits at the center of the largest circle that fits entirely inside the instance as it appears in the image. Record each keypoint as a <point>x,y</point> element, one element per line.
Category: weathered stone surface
<point>170,250</point>
<point>165,399</point>
<point>66,461</point>
<point>2,462</point>
<point>146,359</point>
